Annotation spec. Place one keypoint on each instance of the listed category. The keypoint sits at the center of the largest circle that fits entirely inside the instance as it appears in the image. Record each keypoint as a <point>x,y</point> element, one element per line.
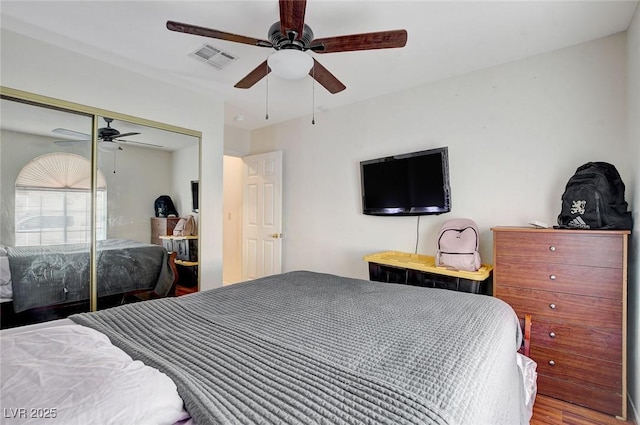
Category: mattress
<point>294,348</point>
<point>306,347</point>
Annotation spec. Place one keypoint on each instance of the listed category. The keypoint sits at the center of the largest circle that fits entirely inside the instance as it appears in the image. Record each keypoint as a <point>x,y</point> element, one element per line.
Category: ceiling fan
<point>291,38</point>
<point>108,137</point>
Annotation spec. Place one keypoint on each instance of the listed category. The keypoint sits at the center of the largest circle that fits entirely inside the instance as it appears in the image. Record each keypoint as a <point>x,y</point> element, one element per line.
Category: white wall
<point>183,166</point>
<point>237,141</point>
<point>232,220</point>
<point>515,133</point>
<point>33,66</point>
<point>633,49</point>
<point>141,176</point>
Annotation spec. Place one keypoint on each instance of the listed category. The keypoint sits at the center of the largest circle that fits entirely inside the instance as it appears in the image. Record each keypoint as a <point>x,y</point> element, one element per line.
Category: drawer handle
<point>552,248</point>
<point>552,334</point>
<point>553,277</point>
<point>552,306</point>
<point>552,363</point>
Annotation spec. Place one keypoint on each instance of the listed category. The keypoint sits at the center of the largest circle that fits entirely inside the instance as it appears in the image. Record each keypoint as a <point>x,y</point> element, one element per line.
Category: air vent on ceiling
<point>213,56</point>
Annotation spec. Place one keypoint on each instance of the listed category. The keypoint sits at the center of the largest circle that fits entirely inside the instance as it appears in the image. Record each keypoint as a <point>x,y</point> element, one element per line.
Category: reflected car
<point>44,222</point>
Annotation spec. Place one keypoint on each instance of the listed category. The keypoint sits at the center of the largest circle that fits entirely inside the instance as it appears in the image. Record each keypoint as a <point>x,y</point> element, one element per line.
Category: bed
<point>44,276</point>
<point>296,348</point>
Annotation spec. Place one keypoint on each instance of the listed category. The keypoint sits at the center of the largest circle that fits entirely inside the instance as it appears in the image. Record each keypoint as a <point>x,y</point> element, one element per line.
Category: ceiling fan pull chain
<point>114,161</point>
<point>266,116</point>
<point>313,94</point>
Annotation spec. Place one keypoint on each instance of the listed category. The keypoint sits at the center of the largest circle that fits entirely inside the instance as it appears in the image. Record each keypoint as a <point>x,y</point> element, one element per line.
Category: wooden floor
<point>184,290</point>
<point>549,411</point>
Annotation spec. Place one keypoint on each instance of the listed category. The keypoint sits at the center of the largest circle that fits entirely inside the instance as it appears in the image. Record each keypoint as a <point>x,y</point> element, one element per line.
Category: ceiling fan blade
<point>69,142</point>
<point>139,143</point>
<point>325,78</point>
<point>254,76</point>
<point>221,35</point>
<point>126,135</point>
<point>70,133</point>
<point>364,41</point>
<point>292,16</point>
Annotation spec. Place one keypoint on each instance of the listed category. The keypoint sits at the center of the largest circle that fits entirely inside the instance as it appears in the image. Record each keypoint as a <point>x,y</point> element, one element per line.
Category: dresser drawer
<point>601,399</point>
<point>599,343</point>
<point>576,368</point>
<point>161,226</point>
<point>580,280</point>
<point>582,249</point>
<point>557,307</point>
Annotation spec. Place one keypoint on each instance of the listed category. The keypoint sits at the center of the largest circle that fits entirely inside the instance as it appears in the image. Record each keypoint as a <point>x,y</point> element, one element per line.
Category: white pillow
<point>74,375</point>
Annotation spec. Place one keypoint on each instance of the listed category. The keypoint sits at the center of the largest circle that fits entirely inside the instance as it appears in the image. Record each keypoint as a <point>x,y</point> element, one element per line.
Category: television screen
<point>194,195</point>
<point>416,183</point>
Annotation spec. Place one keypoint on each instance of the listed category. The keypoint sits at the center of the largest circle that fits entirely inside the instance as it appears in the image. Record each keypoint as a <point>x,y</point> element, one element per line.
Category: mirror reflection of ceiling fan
<point>109,138</point>
<point>292,38</point>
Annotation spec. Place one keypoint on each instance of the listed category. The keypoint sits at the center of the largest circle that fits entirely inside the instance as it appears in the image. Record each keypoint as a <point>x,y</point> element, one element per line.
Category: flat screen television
<point>415,183</point>
<point>194,195</point>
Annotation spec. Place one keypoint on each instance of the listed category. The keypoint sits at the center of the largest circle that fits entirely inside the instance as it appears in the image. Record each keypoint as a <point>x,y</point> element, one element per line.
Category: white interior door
<point>262,215</point>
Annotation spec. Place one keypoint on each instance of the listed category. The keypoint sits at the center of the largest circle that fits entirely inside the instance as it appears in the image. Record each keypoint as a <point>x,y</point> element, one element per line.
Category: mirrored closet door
<point>46,217</point>
<point>77,213</point>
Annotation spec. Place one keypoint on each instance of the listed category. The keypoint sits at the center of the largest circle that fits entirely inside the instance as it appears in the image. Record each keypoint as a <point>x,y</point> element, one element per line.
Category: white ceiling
<point>31,119</point>
<point>445,38</point>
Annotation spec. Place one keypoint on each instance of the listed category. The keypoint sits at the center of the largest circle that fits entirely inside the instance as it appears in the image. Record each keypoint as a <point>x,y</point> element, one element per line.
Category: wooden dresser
<point>573,283</point>
<point>161,226</point>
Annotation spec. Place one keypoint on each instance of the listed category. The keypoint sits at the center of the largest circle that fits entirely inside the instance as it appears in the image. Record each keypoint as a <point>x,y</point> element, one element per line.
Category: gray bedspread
<point>309,348</point>
<point>56,274</point>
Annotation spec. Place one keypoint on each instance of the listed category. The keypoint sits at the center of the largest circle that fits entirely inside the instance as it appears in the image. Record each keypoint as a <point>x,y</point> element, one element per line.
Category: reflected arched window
<point>53,201</point>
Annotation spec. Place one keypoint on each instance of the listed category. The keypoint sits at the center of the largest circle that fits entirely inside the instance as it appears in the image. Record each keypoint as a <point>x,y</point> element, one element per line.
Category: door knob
<point>276,235</point>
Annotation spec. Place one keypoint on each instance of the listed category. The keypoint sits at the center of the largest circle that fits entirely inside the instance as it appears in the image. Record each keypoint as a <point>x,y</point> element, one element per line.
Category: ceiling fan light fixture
<point>108,146</point>
<point>290,64</point>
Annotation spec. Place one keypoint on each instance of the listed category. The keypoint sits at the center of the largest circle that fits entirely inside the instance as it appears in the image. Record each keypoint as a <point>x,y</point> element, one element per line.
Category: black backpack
<point>164,207</point>
<point>594,199</point>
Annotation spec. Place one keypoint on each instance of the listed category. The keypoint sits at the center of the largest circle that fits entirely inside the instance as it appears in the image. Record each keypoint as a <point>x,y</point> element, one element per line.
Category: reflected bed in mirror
<point>51,281</point>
